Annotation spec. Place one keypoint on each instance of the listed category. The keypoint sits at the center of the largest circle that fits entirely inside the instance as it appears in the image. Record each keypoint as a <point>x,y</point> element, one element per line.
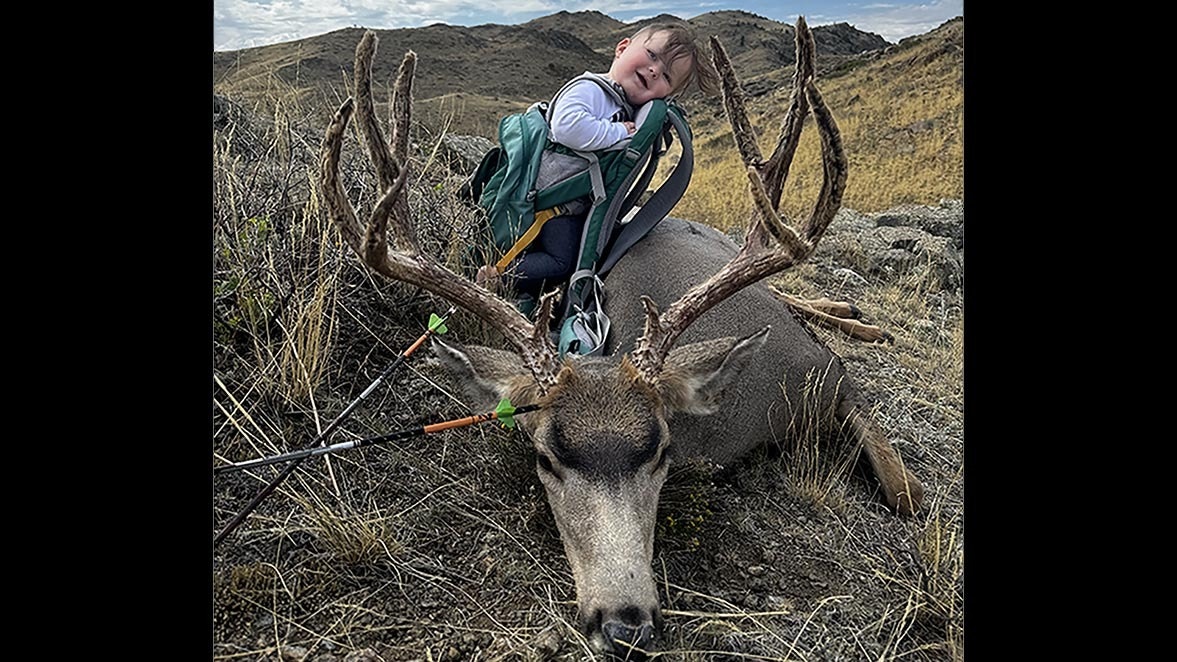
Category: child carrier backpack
<point>527,179</point>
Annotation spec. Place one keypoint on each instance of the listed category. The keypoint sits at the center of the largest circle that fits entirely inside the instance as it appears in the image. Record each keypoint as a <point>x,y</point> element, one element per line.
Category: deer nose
<point>620,637</point>
<point>625,632</point>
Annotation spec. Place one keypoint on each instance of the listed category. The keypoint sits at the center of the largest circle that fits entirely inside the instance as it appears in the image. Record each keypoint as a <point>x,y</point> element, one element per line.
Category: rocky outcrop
<point>464,153</point>
<point>845,39</point>
<point>945,220</point>
<point>898,241</point>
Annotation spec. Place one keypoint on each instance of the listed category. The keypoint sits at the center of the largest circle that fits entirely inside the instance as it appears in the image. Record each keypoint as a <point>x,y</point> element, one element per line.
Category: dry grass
<point>467,114</point>
<point>934,590</point>
<point>274,276</point>
<point>902,125</point>
<point>816,472</point>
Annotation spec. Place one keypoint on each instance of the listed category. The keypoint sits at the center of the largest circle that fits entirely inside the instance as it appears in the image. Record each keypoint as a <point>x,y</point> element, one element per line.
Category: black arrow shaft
<point>295,457</point>
<point>273,484</point>
<point>298,456</point>
<point>289,469</point>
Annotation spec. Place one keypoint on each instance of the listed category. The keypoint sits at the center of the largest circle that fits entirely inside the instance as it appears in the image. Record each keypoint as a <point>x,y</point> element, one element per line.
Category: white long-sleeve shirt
<point>586,118</point>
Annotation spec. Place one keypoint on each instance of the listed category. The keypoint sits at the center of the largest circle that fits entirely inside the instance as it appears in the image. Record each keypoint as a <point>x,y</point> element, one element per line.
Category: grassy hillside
<point>902,121</point>
<point>901,111</point>
<point>490,69</point>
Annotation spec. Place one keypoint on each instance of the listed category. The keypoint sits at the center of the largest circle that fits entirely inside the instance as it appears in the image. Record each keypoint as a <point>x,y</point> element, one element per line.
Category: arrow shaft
<point>289,469</point>
<point>458,423</point>
<point>298,456</point>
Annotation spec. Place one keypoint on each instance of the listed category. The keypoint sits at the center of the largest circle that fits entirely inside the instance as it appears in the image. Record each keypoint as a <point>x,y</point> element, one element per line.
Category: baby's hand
<point>487,276</point>
<point>630,127</point>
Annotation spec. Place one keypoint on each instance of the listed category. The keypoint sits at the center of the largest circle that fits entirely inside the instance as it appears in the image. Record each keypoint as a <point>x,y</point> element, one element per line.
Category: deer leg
<point>837,315</point>
<point>836,308</point>
<point>901,488</point>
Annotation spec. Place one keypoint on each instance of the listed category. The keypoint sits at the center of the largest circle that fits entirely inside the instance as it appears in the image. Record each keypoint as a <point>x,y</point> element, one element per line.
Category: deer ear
<point>695,376</point>
<point>485,375</point>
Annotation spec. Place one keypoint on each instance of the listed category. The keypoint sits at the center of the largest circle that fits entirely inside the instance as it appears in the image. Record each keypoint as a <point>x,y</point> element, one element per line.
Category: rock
<point>850,275</point>
<point>464,153</point>
<point>362,655</point>
<point>897,241</point>
<point>898,250</point>
<point>778,602</point>
<point>945,220</point>
<point>293,654</point>
<point>546,644</point>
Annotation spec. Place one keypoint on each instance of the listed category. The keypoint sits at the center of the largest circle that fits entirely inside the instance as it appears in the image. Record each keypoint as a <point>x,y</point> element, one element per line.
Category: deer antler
<point>404,261</point>
<point>757,259</point>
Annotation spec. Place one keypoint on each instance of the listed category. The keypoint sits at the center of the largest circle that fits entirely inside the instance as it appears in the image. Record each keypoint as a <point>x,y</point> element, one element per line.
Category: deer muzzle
<point>608,535</point>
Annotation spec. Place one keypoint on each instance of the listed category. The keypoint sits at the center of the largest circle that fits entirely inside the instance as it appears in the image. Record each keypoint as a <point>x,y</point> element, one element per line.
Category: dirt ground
<point>442,547</point>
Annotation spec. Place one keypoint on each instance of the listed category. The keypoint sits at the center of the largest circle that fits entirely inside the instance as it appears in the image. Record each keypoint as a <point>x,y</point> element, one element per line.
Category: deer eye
<point>545,463</point>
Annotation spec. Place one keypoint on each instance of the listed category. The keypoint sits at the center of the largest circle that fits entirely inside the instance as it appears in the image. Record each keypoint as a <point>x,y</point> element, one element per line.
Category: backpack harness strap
<point>541,217</point>
<point>587,328</point>
<point>609,87</point>
<point>660,204</point>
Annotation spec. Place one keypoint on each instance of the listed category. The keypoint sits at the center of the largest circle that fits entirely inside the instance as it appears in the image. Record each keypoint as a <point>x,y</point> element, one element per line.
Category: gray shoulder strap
<point>660,204</point>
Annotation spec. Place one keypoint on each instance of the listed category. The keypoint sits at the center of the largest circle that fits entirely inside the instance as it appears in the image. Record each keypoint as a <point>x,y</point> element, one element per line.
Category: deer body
<point>677,255</point>
<point>605,438</point>
<point>703,359</point>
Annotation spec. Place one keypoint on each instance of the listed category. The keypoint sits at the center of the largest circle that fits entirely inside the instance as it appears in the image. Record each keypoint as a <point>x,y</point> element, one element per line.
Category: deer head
<point>601,438</point>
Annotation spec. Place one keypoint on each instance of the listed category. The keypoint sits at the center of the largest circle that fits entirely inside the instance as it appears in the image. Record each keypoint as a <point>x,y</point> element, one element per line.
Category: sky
<point>246,23</point>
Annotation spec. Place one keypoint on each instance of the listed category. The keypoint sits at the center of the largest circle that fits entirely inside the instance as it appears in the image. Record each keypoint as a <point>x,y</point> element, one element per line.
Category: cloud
<point>896,21</point>
<point>246,23</point>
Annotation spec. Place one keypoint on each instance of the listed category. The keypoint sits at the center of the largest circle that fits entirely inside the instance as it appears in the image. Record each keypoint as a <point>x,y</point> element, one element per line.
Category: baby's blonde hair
<point>680,43</point>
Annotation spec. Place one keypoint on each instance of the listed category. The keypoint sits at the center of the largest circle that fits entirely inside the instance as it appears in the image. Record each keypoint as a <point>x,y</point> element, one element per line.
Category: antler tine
<point>834,167</point>
<point>756,259</point>
<point>402,106</point>
<point>733,103</point>
<point>405,262</point>
<point>388,167</point>
<point>744,135</point>
<point>776,169</point>
<point>663,330</point>
<point>334,196</point>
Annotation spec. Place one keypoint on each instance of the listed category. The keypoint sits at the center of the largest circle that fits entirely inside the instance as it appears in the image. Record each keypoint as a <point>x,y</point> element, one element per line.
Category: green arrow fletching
<point>437,324</point>
<point>505,413</point>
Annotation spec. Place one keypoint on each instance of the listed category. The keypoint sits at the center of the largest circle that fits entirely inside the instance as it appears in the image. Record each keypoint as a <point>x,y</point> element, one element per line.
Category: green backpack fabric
<point>503,183</point>
<point>507,186</point>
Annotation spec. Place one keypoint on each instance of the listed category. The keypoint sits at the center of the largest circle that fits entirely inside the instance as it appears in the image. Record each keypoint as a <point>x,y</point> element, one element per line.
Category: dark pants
<point>551,257</point>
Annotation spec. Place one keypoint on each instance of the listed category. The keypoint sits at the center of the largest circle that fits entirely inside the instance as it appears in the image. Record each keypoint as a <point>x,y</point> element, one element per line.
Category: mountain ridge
<point>519,63</point>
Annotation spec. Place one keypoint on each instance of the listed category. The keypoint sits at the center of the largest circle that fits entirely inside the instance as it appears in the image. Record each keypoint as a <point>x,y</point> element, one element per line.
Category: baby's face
<point>641,71</point>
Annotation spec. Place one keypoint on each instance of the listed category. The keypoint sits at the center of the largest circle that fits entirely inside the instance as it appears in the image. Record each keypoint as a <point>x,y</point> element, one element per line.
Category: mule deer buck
<point>722,369</point>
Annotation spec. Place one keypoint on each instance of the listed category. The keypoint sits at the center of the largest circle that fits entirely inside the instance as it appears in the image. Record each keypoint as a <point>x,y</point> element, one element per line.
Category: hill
<point>501,66</point>
<point>900,105</point>
<point>595,28</point>
<point>490,61</point>
<point>900,110</point>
